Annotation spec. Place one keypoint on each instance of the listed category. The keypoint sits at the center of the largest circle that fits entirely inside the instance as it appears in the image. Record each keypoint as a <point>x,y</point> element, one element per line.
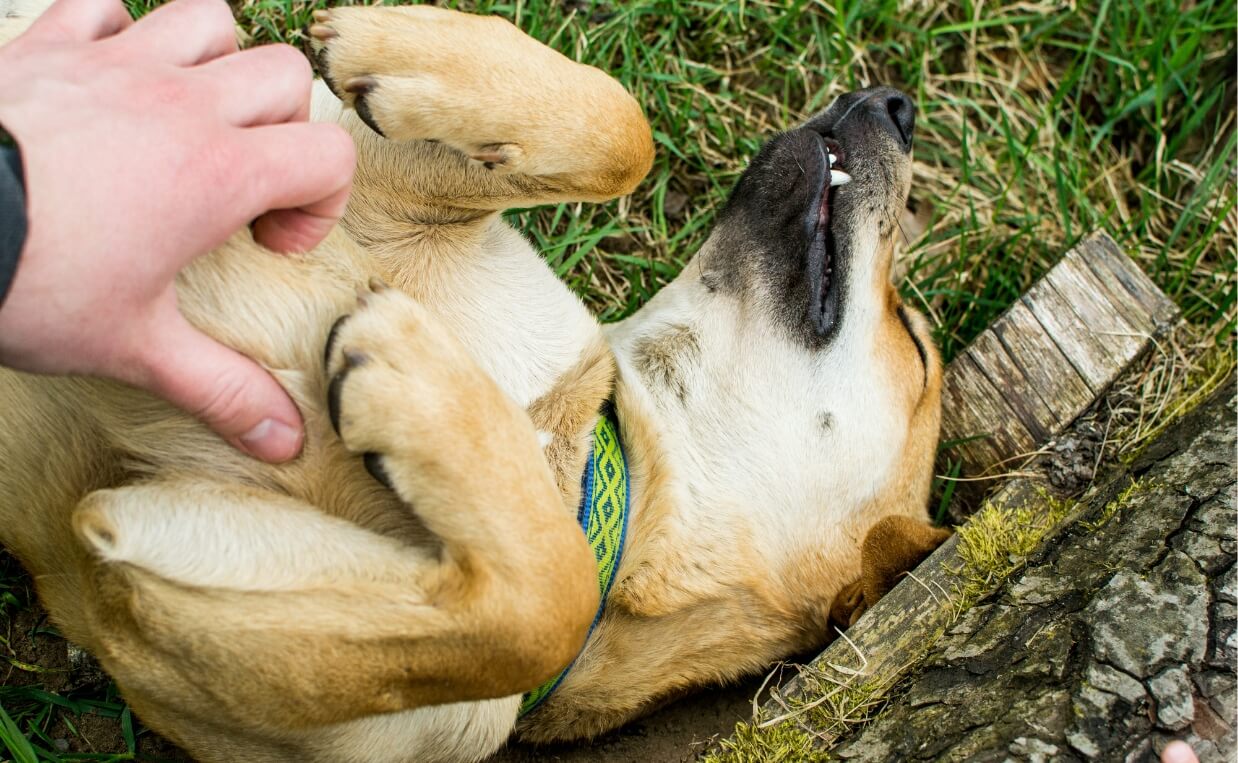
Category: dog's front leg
<point>474,114</point>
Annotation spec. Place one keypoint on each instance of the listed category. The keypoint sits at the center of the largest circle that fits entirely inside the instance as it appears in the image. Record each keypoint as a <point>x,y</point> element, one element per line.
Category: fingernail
<point>272,440</point>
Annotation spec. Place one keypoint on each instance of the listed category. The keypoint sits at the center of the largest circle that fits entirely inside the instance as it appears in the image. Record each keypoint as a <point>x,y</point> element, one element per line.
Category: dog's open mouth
<point>824,269</point>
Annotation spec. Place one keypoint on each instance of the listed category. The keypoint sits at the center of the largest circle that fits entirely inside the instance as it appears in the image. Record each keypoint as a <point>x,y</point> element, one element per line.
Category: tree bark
<point>1116,637</point>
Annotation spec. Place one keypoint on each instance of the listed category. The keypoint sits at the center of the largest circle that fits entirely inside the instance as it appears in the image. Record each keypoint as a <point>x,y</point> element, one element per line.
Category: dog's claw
<point>321,15</point>
<point>332,335</point>
<point>334,389</point>
<point>322,32</point>
<point>378,285</point>
<point>374,465</point>
<point>360,85</point>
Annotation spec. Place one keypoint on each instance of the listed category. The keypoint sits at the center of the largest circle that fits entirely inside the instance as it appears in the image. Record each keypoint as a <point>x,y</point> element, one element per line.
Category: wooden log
<point>1052,354</point>
<point>1116,637</point>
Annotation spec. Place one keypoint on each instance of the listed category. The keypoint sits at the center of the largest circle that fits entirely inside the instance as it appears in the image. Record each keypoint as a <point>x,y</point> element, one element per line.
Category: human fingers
<point>183,33</point>
<point>1178,752</point>
<point>222,388</point>
<point>265,85</point>
<point>301,179</point>
<point>80,20</point>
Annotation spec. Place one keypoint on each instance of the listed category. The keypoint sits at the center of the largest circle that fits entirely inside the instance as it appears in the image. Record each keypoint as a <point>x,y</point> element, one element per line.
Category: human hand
<point>146,144</point>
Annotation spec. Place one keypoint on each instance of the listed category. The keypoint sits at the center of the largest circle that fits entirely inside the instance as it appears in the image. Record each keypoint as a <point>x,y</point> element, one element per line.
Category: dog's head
<point>795,397</point>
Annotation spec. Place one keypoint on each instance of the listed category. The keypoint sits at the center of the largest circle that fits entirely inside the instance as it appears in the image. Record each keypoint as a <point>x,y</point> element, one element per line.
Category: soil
<point>675,734</point>
<point>38,657</point>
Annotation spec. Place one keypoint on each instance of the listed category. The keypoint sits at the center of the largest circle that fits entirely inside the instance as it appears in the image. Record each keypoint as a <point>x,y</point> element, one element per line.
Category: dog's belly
<point>500,300</point>
<point>455,732</point>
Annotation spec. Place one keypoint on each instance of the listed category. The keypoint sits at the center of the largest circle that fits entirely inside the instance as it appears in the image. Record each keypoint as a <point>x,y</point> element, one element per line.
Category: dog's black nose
<point>896,112</point>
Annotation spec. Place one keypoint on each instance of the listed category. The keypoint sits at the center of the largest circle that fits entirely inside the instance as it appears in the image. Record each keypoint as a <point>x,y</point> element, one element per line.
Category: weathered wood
<point>1050,356</point>
<point>995,362</point>
<point>1114,267</point>
<point>1050,374</point>
<point>997,432</point>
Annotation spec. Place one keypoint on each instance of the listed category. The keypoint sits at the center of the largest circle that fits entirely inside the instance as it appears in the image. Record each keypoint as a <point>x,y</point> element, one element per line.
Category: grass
<point>1039,123</point>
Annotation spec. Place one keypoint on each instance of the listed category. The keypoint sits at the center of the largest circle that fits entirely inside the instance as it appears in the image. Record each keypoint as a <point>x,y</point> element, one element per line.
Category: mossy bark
<point>1117,636</point>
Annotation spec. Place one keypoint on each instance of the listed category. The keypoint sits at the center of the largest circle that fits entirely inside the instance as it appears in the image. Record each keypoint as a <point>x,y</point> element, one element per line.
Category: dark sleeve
<point>12,216</point>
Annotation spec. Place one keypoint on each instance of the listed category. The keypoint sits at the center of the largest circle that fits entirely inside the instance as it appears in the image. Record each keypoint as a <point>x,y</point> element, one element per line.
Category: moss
<point>824,711</point>
<point>1111,509</point>
<point>997,539</point>
<point>785,741</point>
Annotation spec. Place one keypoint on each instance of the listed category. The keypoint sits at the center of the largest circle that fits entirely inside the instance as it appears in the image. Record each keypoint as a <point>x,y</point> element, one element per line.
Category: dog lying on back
<point>756,442</point>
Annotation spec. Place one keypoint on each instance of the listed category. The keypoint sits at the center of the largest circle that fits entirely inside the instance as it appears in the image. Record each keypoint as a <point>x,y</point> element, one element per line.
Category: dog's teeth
<point>833,159</point>
<point>838,177</point>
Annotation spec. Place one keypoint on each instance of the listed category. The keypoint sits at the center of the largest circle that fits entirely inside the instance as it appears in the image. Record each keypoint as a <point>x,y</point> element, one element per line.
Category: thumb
<point>224,389</point>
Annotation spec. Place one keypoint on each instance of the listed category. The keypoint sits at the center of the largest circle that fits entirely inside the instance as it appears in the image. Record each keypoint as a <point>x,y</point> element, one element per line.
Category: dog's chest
<point>517,320</point>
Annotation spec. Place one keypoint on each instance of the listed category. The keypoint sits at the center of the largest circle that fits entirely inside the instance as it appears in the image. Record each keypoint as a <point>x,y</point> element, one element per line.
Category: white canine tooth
<point>833,159</point>
<point>838,177</point>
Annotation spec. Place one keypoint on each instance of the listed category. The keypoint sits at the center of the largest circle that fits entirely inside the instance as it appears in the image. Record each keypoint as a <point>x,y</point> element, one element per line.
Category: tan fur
<point>305,611</point>
<point>567,413</point>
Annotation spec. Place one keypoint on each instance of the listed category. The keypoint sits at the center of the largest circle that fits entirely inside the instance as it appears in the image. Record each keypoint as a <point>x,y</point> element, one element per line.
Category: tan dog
<point>777,404</point>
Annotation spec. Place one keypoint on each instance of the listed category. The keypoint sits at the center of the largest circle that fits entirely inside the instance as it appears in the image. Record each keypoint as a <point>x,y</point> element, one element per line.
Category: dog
<point>417,584</point>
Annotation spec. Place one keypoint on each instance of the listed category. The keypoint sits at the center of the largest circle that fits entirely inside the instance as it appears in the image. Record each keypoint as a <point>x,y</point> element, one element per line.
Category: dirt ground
<point>675,734</point>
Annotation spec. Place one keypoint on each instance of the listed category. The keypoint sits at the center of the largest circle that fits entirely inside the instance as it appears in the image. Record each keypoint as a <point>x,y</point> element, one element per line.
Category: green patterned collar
<point>603,515</point>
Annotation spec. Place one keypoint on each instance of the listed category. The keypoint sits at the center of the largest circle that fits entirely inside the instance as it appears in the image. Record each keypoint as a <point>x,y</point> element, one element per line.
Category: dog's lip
<point>820,258</point>
<point>830,157</point>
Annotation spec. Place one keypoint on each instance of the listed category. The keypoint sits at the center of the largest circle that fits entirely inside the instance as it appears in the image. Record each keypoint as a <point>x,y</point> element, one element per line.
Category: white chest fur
<point>517,320</point>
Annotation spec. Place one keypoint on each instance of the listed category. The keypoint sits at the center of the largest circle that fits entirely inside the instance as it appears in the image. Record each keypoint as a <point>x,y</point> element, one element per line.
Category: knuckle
<point>291,63</point>
<point>172,90</point>
<point>339,148</point>
<point>227,403</point>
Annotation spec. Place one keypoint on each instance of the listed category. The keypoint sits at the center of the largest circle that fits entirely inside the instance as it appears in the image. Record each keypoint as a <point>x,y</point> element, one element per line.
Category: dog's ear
<point>893,547</point>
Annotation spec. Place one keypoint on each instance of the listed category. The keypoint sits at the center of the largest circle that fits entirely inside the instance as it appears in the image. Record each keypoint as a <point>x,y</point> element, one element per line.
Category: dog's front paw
<point>402,391</point>
<point>848,605</point>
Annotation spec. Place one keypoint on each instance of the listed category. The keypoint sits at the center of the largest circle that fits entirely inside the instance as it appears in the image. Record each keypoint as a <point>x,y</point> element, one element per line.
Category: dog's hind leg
<point>221,600</point>
<point>246,625</point>
<point>475,114</point>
